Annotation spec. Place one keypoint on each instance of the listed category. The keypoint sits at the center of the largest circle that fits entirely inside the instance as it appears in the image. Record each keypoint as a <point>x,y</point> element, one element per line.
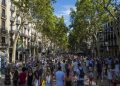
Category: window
<point>3,24</point>
<point>3,2</point>
<point>3,12</point>
<point>3,39</point>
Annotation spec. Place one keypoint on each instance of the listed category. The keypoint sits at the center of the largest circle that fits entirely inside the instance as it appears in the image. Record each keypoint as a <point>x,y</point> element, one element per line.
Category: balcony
<point>3,16</point>
<point>3,45</point>
<point>3,30</point>
<point>3,3</point>
<point>12,8</point>
<point>17,22</point>
<point>12,19</point>
<point>13,31</point>
<point>22,34</point>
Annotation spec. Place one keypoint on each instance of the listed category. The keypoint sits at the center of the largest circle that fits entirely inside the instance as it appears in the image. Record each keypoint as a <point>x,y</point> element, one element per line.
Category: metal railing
<point>12,19</point>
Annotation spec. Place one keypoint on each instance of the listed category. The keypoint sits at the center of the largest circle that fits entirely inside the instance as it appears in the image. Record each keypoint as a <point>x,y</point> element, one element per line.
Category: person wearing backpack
<point>80,77</point>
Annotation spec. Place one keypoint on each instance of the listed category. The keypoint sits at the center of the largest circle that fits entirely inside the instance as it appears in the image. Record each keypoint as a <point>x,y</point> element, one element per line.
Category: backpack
<point>82,74</point>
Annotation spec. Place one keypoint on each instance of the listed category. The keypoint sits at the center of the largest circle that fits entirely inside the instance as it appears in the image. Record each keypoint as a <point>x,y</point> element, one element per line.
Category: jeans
<point>80,83</point>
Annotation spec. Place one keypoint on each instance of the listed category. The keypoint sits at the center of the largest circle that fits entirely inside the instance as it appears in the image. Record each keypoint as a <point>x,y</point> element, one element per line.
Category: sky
<point>62,8</point>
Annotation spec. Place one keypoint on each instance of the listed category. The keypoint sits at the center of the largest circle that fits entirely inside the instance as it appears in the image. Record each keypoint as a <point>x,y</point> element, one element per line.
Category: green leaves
<point>40,12</point>
<point>88,19</point>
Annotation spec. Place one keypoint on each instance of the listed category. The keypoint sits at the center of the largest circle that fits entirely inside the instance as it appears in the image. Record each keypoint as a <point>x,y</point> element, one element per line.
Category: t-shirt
<point>63,66</point>
<point>60,78</point>
<point>22,78</point>
<point>75,66</point>
<point>78,73</point>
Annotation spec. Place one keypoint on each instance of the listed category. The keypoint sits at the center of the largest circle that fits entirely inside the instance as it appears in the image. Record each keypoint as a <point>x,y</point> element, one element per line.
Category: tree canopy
<point>89,18</point>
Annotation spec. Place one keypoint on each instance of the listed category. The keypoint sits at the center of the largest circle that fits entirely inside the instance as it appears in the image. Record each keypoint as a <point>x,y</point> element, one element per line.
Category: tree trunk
<point>97,45</point>
<point>14,48</point>
<point>15,44</point>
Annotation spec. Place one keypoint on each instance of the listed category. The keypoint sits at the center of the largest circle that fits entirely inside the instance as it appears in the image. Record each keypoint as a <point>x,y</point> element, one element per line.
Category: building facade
<point>107,39</point>
<point>9,24</point>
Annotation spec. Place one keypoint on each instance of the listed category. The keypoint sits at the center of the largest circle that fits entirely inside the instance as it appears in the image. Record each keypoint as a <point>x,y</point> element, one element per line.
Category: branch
<point>110,13</point>
<point>104,3</point>
<point>108,3</point>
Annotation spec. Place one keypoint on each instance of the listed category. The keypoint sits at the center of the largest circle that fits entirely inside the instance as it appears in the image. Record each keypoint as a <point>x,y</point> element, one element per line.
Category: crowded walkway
<point>69,70</point>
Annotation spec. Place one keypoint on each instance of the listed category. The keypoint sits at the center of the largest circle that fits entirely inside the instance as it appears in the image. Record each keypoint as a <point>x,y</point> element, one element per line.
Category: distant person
<point>7,80</point>
<point>59,77</point>
<point>36,77</point>
<point>30,78</point>
<point>48,79</point>
<point>68,79</point>
<point>15,78</point>
<point>81,74</point>
<point>22,77</point>
<point>75,66</point>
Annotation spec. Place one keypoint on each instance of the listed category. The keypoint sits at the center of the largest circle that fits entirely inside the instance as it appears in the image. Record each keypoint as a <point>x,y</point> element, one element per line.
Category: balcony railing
<point>4,30</point>
<point>3,45</point>
<point>13,31</point>
<point>22,34</point>
<point>12,19</point>
<point>12,8</point>
<point>3,16</point>
<point>18,22</point>
<point>3,3</point>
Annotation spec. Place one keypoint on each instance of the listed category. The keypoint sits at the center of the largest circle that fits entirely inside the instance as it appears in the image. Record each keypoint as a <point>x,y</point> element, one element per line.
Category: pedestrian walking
<point>48,79</point>
<point>15,78</point>
<point>7,80</point>
<point>81,74</point>
<point>30,78</point>
<point>60,75</point>
<point>36,77</point>
<point>109,75</point>
<point>68,79</point>
<point>114,79</point>
<point>91,76</point>
<point>23,77</point>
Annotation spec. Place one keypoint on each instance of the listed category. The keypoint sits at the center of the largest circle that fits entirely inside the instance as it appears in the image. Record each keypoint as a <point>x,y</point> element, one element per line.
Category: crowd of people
<point>69,70</point>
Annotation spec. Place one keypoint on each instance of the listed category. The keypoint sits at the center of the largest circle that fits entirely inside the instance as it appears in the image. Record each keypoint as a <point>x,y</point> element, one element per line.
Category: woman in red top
<point>22,77</point>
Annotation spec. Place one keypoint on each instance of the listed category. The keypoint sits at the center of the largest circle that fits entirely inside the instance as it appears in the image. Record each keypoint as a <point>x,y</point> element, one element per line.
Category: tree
<point>112,7</point>
<point>23,12</point>
<point>87,21</point>
<point>33,11</point>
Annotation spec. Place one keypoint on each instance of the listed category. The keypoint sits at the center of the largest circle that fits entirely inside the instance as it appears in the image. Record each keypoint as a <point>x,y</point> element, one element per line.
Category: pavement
<point>103,82</point>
